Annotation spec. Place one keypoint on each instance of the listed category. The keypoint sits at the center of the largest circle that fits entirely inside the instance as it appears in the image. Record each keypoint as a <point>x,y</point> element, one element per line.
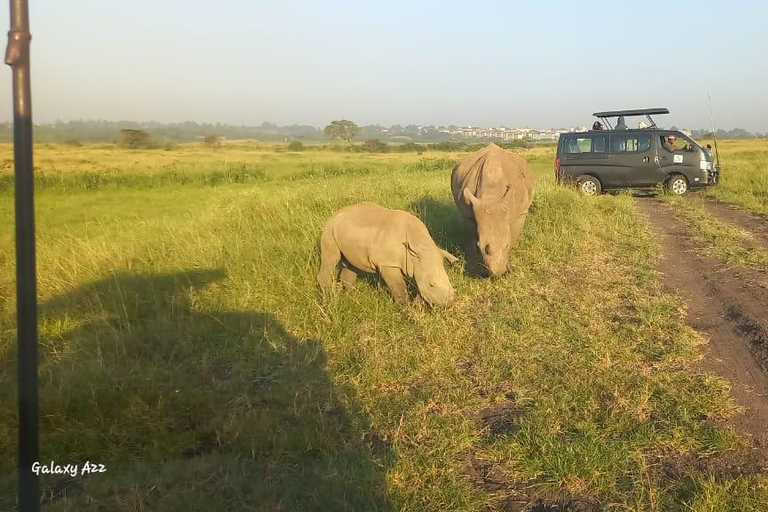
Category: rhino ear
<point>448,256</point>
<point>469,197</point>
<point>411,250</point>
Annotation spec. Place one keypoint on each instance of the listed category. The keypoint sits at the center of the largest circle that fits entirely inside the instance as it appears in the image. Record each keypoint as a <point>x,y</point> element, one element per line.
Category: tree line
<point>97,131</point>
<point>159,134</point>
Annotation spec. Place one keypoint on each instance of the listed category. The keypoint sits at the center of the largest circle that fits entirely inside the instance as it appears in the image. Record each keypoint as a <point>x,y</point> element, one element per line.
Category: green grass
<point>744,180</point>
<point>722,240</point>
<point>185,346</point>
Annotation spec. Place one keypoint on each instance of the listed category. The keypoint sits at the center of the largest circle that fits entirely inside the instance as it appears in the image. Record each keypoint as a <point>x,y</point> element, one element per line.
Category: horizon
<point>662,126</point>
<point>246,63</point>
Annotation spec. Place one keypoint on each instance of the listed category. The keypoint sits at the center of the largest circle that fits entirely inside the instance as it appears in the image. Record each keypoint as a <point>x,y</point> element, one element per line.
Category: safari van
<point>640,158</point>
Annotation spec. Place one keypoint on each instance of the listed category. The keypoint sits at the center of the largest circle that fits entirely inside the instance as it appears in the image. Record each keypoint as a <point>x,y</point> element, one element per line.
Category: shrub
<point>409,147</point>
<point>375,146</point>
<point>212,141</point>
<point>135,139</point>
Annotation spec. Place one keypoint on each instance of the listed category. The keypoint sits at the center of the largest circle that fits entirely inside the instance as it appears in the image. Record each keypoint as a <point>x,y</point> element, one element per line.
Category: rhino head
<point>429,273</point>
<point>494,229</point>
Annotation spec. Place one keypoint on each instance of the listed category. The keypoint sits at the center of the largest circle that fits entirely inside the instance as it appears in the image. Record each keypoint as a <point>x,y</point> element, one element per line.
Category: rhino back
<point>370,236</point>
<point>417,232</point>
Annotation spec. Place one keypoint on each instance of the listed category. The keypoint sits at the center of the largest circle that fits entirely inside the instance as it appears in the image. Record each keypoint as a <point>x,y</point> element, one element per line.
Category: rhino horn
<point>469,197</point>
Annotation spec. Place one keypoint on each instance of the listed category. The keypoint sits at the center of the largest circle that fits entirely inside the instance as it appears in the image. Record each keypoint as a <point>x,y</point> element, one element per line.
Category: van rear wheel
<point>677,184</point>
<point>589,185</point>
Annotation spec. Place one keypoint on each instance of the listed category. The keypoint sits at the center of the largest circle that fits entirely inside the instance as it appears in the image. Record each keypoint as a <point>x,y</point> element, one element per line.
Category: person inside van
<point>597,125</point>
<point>669,142</point>
<point>621,124</point>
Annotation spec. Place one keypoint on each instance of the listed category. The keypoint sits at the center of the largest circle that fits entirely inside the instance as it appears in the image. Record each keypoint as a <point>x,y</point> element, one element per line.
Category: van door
<point>633,160</point>
<point>678,154</point>
<point>584,153</point>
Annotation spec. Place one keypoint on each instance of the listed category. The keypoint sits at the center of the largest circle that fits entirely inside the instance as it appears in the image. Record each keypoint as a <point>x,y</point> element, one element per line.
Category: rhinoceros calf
<point>493,191</point>
<point>371,238</point>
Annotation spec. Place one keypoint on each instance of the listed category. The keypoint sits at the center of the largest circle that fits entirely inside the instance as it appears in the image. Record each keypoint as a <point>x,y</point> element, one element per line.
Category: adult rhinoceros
<point>493,190</point>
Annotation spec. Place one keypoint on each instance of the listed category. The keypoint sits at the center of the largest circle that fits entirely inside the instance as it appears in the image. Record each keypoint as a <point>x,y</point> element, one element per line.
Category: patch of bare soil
<point>667,465</point>
<point>730,305</point>
<point>500,418</point>
<point>515,497</point>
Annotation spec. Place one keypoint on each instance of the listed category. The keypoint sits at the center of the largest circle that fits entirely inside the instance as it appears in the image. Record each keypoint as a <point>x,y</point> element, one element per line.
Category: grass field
<point>745,175</point>
<point>184,345</point>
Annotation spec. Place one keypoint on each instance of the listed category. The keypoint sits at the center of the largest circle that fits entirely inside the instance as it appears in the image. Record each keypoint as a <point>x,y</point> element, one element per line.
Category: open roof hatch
<point>647,112</point>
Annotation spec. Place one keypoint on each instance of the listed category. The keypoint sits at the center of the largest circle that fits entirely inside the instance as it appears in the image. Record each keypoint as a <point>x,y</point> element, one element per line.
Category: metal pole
<point>17,56</point>
<point>714,135</point>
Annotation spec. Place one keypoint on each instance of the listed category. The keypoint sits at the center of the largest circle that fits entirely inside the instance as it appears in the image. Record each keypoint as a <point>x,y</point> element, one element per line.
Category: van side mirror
<point>709,146</point>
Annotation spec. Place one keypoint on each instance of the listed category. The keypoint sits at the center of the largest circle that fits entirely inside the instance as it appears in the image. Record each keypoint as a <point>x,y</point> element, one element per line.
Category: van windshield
<point>674,142</point>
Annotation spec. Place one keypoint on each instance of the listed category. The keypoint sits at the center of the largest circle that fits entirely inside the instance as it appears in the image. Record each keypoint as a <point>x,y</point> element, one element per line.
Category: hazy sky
<point>540,64</point>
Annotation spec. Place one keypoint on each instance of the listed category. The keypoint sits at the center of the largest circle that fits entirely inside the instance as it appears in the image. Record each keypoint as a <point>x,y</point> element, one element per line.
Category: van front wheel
<point>677,184</point>
<point>589,185</point>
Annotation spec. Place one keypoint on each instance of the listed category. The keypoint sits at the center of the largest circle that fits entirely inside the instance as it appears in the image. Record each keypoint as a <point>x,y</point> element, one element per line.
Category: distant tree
<point>135,139</point>
<point>295,145</point>
<point>739,133</point>
<point>342,129</point>
<point>212,140</point>
<point>409,146</point>
<point>375,146</point>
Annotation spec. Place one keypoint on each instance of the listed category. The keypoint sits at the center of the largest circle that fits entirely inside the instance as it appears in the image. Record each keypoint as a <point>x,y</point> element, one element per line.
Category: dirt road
<point>729,304</point>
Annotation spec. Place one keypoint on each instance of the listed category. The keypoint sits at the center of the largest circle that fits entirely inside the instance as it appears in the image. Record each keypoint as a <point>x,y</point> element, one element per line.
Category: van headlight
<point>705,166</point>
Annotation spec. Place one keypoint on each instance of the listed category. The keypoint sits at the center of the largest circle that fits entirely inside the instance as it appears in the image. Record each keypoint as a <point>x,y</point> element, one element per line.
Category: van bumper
<point>707,178</point>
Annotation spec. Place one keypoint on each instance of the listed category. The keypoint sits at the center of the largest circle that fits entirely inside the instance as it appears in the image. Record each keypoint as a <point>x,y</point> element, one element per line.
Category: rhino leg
<point>348,275</point>
<point>474,259</point>
<point>393,276</point>
<point>329,259</point>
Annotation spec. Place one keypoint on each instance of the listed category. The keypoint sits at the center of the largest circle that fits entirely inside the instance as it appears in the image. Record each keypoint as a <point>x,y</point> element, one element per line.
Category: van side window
<point>630,143</point>
<point>578,145</point>
<point>644,142</point>
<point>599,144</point>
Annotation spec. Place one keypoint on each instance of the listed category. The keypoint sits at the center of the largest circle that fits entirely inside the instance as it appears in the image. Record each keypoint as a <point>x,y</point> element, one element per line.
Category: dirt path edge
<point>730,307</point>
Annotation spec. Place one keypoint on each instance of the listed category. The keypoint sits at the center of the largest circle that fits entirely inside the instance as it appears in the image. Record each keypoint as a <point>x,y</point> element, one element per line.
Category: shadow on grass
<point>449,232</point>
<point>194,410</point>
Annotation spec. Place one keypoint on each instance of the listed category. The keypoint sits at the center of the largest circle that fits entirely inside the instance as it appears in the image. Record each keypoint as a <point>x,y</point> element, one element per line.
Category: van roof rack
<point>647,112</point>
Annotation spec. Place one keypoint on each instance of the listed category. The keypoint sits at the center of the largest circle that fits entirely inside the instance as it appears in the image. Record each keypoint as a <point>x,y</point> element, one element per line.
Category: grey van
<point>641,158</point>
